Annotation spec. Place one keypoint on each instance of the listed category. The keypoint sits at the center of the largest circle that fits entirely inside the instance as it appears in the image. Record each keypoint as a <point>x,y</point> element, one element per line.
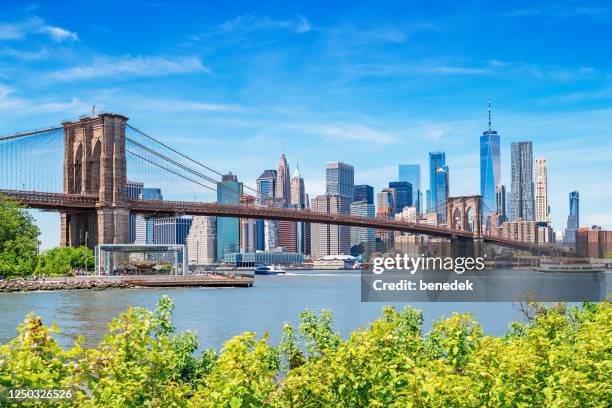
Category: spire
<point>296,173</point>
<point>489,115</point>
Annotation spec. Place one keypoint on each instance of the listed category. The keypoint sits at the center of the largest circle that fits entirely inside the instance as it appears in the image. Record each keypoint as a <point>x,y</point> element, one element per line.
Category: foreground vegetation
<point>560,357</point>
<point>19,256</point>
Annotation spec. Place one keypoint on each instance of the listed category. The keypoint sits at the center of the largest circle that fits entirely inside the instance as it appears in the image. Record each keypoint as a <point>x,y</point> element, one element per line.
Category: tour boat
<point>269,270</point>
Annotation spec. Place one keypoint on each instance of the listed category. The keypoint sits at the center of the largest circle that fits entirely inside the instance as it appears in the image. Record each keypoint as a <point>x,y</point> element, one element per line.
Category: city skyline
<point>242,82</point>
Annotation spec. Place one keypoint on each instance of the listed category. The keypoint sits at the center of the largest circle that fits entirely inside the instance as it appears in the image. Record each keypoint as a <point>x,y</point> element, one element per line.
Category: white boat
<point>571,268</point>
<point>269,270</point>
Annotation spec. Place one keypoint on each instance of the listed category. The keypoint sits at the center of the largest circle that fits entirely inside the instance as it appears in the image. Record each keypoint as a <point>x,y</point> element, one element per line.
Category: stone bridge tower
<point>95,165</point>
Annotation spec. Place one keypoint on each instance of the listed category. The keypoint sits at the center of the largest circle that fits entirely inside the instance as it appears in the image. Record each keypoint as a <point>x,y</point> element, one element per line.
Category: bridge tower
<point>95,165</point>
<point>464,214</point>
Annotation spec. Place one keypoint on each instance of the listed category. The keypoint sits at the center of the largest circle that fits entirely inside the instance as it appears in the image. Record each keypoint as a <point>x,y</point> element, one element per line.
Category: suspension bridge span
<point>81,170</point>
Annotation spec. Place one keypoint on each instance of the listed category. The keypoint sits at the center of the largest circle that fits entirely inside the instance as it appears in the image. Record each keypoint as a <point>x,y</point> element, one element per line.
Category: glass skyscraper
<point>573,218</point>
<point>412,174</point>
<point>438,184</point>
<point>266,186</point>
<point>403,194</point>
<point>490,170</point>
<point>364,192</point>
<point>523,201</point>
<point>229,190</point>
<point>340,180</point>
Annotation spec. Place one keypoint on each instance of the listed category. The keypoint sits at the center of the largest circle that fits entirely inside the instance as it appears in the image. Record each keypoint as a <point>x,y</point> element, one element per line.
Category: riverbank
<point>128,281</point>
<point>30,285</point>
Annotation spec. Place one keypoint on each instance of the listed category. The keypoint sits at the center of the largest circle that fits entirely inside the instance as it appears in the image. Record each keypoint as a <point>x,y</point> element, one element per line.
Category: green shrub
<point>559,357</point>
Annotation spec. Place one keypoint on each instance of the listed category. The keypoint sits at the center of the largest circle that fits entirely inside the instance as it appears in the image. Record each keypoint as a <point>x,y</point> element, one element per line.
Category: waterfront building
<point>438,184</point>
<point>330,239</point>
<point>593,242</point>
<point>490,168</point>
<point>287,236</point>
<point>573,218</point>
<point>171,230</point>
<point>144,230</point>
<point>229,191</point>
<point>522,182</point>
<point>500,203</point>
<point>363,240</point>
<point>520,230</point>
<point>412,174</point>
<point>201,241</point>
<point>253,259</point>
<point>283,183</point>
<point>364,192</point>
<point>266,186</point>
<point>270,234</point>
<point>340,180</point>
<point>402,195</point>
<point>542,210</point>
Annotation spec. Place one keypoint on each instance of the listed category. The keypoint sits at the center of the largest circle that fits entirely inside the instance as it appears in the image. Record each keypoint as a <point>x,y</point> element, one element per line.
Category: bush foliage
<point>559,357</point>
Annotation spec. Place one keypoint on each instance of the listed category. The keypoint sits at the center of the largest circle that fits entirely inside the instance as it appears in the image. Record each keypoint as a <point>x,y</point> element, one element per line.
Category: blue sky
<point>371,84</point>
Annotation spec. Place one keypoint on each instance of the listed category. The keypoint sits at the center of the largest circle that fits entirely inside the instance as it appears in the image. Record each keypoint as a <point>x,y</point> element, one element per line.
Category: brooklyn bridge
<point>81,170</point>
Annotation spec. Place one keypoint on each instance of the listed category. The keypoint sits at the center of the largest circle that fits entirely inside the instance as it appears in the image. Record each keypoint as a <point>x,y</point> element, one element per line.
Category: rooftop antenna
<point>93,110</point>
<point>489,115</point>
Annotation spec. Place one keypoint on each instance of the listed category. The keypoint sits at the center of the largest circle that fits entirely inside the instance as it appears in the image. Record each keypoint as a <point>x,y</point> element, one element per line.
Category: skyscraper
<point>201,241</point>
<point>573,218</point>
<point>340,180</point>
<point>229,190</point>
<point>522,181</point>
<point>283,183</point>
<point>364,192</point>
<point>363,240</point>
<point>500,203</point>
<point>298,192</point>
<point>266,186</point>
<point>133,191</point>
<point>402,196</point>
<point>541,191</point>
<point>490,168</point>
<point>329,239</point>
<point>171,230</point>
<point>412,174</point>
<point>438,184</point>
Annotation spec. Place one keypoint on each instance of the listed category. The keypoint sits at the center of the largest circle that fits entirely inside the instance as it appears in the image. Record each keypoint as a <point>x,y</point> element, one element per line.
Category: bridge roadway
<point>77,202</point>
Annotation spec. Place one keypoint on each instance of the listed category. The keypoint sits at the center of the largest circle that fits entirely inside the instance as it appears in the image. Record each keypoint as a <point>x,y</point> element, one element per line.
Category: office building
<point>402,195</point>
<point>412,174</point>
<point>593,242</point>
<point>229,191</point>
<point>573,218</point>
<point>522,182</point>
<point>263,258</point>
<point>171,230</point>
<point>363,240</point>
<point>201,241</point>
<point>340,180</point>
<point>270,235</point>
<point>283,183</point>
<point>330,239</point>
<point>152,194</point>
<point>133,191</point>
<point>520,230</point>
<point>490,168</point>
<point>408,214</point>
<point>266,186</point>
<point>248,227</point>
<point>500,203</point>
<point>298,191</point>
<point>364,192</point>
<point>438,184</point>
<point>541,191</point>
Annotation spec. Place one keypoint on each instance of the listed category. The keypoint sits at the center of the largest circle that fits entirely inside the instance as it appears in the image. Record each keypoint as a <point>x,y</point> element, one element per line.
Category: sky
<point>370,84</point>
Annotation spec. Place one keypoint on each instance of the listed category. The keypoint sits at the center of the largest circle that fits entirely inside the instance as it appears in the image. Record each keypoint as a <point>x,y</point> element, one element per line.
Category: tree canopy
<point>18,240</point>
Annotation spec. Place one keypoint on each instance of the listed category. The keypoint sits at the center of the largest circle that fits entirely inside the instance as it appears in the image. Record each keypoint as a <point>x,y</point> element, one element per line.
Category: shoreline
<point>120,282</point>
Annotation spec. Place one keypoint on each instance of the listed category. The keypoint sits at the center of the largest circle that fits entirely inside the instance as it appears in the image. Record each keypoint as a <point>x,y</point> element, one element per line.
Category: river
<point>218,314</point>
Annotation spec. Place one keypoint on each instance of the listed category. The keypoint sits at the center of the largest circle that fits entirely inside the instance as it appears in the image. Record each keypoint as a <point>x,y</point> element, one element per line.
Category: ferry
<point>269,270</point>
<point>572,268</point>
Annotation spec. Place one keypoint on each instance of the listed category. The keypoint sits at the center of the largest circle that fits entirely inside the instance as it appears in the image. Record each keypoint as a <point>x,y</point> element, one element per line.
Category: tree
<point>62,261</point>
<point>18,240</point>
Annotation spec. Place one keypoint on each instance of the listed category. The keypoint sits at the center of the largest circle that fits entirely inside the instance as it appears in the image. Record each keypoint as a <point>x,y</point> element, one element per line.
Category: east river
<point>218,314</point>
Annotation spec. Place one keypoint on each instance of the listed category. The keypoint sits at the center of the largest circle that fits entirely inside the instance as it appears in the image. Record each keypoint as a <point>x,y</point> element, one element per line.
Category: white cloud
<point>129,66</point>
<point>349,132</point>
<point>250,22</point>
<point>35,25</point>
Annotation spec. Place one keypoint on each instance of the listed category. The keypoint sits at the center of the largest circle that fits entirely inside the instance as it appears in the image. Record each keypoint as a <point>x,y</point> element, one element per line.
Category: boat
<point>572,268</point>
<point>269,270</point>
